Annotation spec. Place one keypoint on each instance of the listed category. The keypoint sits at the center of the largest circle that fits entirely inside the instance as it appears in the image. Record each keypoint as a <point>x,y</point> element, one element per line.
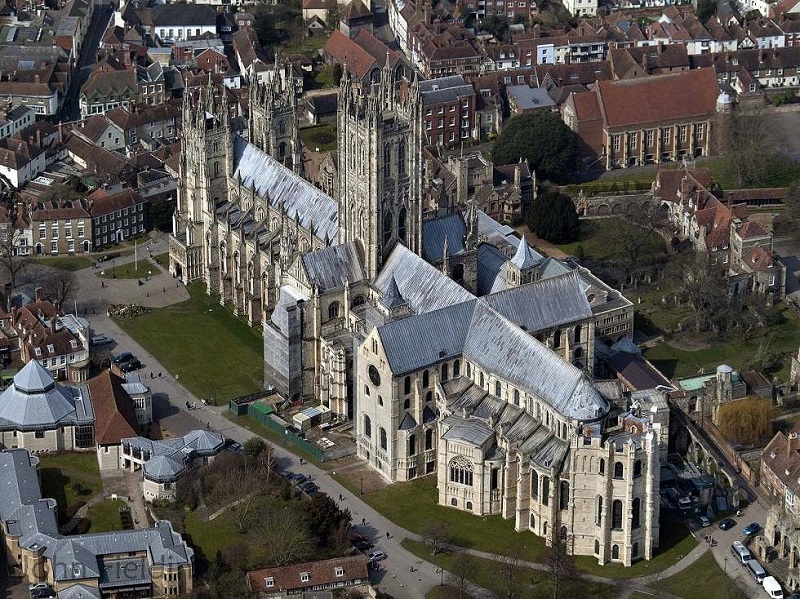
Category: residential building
<point>34,76</point>
<point>318,9</point>
<point>176,22</point>
<point>321,575</point>
<point>523,99</point>
<point>20,161</point>
<point>581,8</point>
<point>101,131</point>
<point>107,88</point>
<point>61,227</point>
<point>449,110</point>
<point>116,216</point>
<point>355,17</point>
<point>156,561</point>
<point>15,120</point>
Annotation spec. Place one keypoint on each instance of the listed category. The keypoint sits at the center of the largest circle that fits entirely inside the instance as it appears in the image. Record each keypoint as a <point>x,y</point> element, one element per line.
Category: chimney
<point>537,31</point>
<point>646,61</point>
<point>38,294</point>
<point>762,55</point>
<point>38,137</point>
<point>53,324</point>
<point>791,445</point>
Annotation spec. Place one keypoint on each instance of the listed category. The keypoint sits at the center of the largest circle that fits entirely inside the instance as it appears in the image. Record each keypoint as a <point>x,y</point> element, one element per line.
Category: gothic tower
<point>380,170</point>
<point>206,163</point>
<point>273,125</point>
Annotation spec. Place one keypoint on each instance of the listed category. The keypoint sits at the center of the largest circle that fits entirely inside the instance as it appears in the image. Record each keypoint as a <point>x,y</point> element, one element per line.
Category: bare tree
<point>748,145</point>
<point>10,261</point>
<point>510,571</point>
<point>703,287</point>
<point>561,567</point>
<point>284,538</point>
<point>60,287</point>
<point>635,242</point>
<point>464,566</point>
<point>436,534</point>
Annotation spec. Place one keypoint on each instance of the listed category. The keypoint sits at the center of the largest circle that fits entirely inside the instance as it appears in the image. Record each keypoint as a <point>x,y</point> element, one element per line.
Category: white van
<point>772,587</point>
<point>756,570</point>
<point>740,552</point>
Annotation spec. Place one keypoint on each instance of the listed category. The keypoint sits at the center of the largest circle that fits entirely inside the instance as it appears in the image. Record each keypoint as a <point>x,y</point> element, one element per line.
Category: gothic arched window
<point>563,495</point>
<point>401,158</point>
<point>216,169</point>
<point>429,439</point>
<point>367,426</point>
<point>412,445</point>
<point>333,310</point>
<point>616,514</point>
<point>401,225</point>
<point>387,160</point>
<point>407,385</point>
<point>457,368</point>
<point>387,227</point>
<point>384,442</point>
<point>635,512</point>
<point>461,471</point>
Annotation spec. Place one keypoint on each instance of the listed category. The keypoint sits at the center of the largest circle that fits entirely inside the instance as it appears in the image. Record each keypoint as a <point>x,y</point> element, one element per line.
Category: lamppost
<point>440,571</point>
<point>726,564</point>
<point>113,270</point>
<point>362,485</point>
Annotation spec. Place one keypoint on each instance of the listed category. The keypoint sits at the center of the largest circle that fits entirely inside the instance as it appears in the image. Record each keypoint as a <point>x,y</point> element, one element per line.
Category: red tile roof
<point>752,229</point>
<point>115,414</point>
<point>672,97</point>
<point>759,259</point>
<point>346,52</point>
<point>320,573</point>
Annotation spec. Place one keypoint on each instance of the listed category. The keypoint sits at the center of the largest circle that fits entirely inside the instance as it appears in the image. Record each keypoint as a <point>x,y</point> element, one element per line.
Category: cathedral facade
<point>453,347</point>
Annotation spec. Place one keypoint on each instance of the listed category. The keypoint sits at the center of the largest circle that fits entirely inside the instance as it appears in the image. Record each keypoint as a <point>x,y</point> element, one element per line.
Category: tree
<point>510,572</point>
<point>324,518</point>
<point>10,262</point>
<point>284,538</point>
<point>702,285</point>
<point>746,421</point>
<point>463,567</point>
<point>497,26</point>
<point>788,223</point>
<point>544,140</point>
<point>553,217</point>
<point>160,214</point>
<point>60,287</point>
<point>747,142</point>
<point>705,10</point>
<point>436,534</point>
<point>561,567</point>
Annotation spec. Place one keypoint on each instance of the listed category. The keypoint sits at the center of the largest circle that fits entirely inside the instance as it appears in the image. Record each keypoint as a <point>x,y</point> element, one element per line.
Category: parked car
<point>751,529</point>
<point>704,521</point>
<point>363,546</point>
<point>376,556</point>
<point>123,357</point>
<point>130,365</point>
<point>234,446</point>
<point>298,479</point>
<point>308,487</point>
<point>100,340</point>
<point>727,523</point>
<point>41,590</point>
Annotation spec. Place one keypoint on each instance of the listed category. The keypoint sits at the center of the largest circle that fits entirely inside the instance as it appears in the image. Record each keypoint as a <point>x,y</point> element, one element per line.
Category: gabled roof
<point>345,51</point>
<point>525,257</point>
<point>751,229</point>
<point>434,233</point>
<point>355,9</point>
<point>330,267</point>
<point>115,415</point>
<point>184,15</point>
<point>320,573</point>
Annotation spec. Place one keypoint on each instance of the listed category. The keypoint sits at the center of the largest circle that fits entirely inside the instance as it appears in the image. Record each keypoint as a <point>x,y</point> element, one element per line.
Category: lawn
<point>487,574</point>
<point>593,240</point>
<point>71,263</point>
<point>105,516</point>
<point>704,578</point>
<point>128,270</point>
<point>211,536</point>
<point>162,259</point>
<point>781,172</point>
<point>59,473</point>
<point>215,354</point>
<point>322,137</point>
<point>734,351</point>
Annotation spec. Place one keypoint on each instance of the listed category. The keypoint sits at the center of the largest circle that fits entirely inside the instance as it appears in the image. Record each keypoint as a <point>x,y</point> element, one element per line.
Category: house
<point>101,131</point>
<point>15,120</point>
<point>175,22</point>
<point>321,575</point>
<point>61,227</point>
<point>355,17</point>
<point>20,161</point>
<point>646,120</point>
<point>40,415</point>
<point>780,469</point>
<point>448,105</point>
<point>250,57</point>
<point>116,216</point>
<point>39,333</point>
<point>107,88</point>
<point>523,99</point>
<point>156,561</point>
<point>317,9</point>
<point>321,108</point>
<point>34,76</point>
<point>163,462</point>
<point>115,417</point>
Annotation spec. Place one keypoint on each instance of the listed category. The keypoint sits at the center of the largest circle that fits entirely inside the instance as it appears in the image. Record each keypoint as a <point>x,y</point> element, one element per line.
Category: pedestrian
<point>159,375</point>
<point>387,534</point>
<point>363,521</point>
<point>208,425</point>
<point>165,289</point>
<point>340,497</point>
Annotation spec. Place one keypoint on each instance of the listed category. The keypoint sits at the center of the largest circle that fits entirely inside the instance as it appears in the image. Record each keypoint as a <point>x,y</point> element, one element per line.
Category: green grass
<point>704,578</point>
<point>71,263</point>
<point>487,574</point>
<point>675,541</point>
<point>303,44</point>
<point>162,260</point>
<point>128,270</point>
<point>735,351</point>
<point>211,536</point>
<point>412,505</point>
<point>324,77</point>
<point>105,516</point>
<point>214,353</point>
<point>593,239</point>
<point>781,172</point>
<point>59,472</point>
<point>319,136</point>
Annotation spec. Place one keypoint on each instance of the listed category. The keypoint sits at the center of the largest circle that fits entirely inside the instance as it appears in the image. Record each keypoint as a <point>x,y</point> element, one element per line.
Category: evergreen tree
<point>553,217</point>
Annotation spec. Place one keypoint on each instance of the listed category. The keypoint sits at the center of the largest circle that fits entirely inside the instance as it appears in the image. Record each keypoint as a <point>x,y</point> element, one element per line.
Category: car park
<point>727,523</point>
<point>100,340</point>
<point>376,556</point>
<point>751,529</point>
<point>123,358</point>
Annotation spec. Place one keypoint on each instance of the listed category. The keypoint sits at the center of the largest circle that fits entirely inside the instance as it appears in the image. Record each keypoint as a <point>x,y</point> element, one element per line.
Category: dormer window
<point>304,576</point>
<point>50,348</point>
<point>339,571</point>
<point>269,582</point>
<point>73,343</point>
<point>37,351</point>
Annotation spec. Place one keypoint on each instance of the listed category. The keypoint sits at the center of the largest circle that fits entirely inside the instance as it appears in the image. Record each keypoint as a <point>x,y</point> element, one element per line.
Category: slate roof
<point>490,264</point>
<point>392,298</point>
<point>168,457</point>
<point>184,15</point>
<point>444,89</point>
<point>525,257</point>
<point>435,231</point>
<point>298,197</point>
<point>35,401</point>
<point>424,287</point>
<point>328,268</point>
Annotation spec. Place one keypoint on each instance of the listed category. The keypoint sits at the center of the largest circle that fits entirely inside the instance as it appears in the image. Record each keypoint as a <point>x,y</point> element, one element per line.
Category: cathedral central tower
<point>380,171</point>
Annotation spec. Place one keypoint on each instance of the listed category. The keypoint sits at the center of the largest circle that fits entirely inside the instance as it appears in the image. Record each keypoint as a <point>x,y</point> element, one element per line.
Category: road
<point>70,110</point>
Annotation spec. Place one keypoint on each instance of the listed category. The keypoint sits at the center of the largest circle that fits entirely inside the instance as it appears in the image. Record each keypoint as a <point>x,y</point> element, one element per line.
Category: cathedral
<point>452,346</point>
